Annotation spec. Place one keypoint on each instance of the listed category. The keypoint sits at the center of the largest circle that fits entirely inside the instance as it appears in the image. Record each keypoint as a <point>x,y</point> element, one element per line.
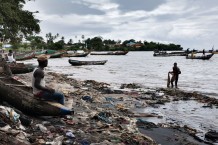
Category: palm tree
<point>76,38</point>
<point>62,38</point>
<point>70,42</point>
<point>83,41</point>
<point>49,37</point>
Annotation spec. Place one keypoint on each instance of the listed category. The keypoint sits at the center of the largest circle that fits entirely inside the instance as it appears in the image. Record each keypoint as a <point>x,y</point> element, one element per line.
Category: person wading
<point>175,75</point>
<point>40,90</point>
<point>203,52</point>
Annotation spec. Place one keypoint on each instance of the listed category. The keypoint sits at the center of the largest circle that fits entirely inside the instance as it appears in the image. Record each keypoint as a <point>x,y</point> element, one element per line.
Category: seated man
<point>11,56</point>
<point>40,90</point>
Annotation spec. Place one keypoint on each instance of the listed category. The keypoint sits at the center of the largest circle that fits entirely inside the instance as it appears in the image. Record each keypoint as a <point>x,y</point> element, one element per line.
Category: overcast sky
<point>190,23</point>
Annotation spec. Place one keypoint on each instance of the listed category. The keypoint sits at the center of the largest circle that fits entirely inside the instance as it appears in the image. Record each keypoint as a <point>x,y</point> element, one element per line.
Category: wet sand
<point>107,115</point>
<point>170,136</point>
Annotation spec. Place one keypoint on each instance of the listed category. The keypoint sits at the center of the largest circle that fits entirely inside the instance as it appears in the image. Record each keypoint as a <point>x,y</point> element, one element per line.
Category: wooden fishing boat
<point>21,97</point>
<point>56,55</point>
<point>178,53</point>
<point>110,53</point>
<point>75,54</point>
<point>19,68</point>
<point>166,54</point>
<point>48,56</point>
<point>206,57</point>
<point>25,56</point>
<point>37,53</point>
<point>215,52</point>
<point>161,53</point>
<point>51,53</point>
<point>78,62</point>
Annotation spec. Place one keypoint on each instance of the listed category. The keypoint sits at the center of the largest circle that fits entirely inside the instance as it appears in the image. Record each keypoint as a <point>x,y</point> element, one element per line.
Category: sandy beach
<point>104,115</point>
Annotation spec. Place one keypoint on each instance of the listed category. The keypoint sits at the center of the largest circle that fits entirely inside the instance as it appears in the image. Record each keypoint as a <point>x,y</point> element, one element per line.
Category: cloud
<point>134,5</point>
<point>102,5</point>
<point>51,7</point>
<point>191,23</point>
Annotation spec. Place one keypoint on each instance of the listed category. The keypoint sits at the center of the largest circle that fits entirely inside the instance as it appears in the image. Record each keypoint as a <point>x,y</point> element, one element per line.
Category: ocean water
<point>144,69</point>
<point>149,71</point>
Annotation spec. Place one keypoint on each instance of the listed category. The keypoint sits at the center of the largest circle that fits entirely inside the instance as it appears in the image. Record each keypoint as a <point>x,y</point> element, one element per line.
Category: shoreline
<point>108,117</point>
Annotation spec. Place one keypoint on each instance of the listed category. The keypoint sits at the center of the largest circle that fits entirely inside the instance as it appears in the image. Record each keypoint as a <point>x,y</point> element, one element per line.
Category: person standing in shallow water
<point>40,90</point>
<point>175,75</point>
<point>203,52</point>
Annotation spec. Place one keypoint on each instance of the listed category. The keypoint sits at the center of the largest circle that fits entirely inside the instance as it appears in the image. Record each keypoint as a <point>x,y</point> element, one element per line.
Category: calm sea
<point>144,69</point>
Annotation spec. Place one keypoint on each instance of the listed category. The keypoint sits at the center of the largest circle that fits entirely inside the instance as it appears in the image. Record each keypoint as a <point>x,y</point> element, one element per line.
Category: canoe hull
<point>75,55</point>
<point>25,56</point>
<point>110,53</point>
<point>165,54</point>
<point>21,97</point>
<point>56,55</point>
<point>77,62</point>
<point>19,68</point>
<point>206,57</point>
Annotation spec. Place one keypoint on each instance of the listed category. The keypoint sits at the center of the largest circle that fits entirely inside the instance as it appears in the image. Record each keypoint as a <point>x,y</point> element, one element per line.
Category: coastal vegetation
<point>91,44</point>
<point>19,27</point>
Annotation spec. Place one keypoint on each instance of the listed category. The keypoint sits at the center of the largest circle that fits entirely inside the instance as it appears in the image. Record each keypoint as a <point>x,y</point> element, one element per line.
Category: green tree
<point>70,42</point>
<point>62,39</point>
<point>57,45</point>
<point>36,42</point>
<point>50,38</point>
<point>14,21</point>
<point>88,43</point>
<point>132,40</point>
<point>125,42</point>
<point>97,43</point>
